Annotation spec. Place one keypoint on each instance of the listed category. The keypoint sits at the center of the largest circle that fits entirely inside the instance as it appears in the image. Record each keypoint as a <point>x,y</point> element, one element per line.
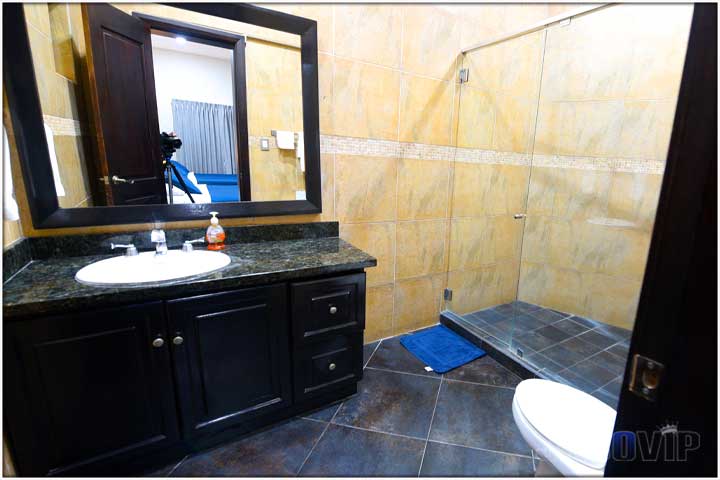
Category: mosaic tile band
<point>333,144</point>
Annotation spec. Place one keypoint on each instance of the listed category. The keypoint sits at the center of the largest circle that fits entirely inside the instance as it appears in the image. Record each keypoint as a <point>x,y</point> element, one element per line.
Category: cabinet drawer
<point>328,307</point>
<point>328,364</point>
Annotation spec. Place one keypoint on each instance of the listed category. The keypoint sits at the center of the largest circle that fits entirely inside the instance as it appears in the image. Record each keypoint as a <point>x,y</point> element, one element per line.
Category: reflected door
<point>122,90</point>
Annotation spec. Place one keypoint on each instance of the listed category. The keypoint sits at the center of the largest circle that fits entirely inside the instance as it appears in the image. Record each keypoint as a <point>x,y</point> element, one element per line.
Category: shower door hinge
<point>447,295</point>
<point>464,75</point>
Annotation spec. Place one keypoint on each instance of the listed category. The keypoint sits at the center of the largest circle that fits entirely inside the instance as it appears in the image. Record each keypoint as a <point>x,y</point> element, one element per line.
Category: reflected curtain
<point>207,131</point>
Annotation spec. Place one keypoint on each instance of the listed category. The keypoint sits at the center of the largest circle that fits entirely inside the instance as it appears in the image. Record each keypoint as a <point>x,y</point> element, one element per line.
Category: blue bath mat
<point>441,349</point>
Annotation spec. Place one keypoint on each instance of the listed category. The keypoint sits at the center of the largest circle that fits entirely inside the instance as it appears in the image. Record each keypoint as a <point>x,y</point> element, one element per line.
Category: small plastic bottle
<point>215,235</point>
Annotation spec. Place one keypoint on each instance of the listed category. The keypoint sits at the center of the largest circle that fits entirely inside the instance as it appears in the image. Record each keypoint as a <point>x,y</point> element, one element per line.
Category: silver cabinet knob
<point>178,340</point>
<point>158,342</point>
<point>332,367</point>
<point>333,310</point>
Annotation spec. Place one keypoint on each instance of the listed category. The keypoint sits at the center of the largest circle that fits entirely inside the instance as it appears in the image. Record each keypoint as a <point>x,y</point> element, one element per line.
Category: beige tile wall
<point>58,57</point>
<point>609,88</point>
<point>390,77</point>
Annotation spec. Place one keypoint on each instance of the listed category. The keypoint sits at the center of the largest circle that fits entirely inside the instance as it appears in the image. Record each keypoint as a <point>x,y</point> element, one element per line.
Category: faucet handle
<point>157,235</point>
<point>187,245</point>
<point>130,251</point>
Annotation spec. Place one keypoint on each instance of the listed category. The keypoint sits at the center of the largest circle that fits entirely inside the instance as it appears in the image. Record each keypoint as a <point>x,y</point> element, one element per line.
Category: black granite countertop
<point>49,286</point>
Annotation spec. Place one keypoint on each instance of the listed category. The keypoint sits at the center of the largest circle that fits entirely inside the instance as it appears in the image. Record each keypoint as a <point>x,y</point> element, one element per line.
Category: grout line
<point>176,466</point>
<point>480,384</point>
<point>314,445</point>
<point>378,431</point>
<point>372,354</point>
<point>432,418</point>
<point>404,373</point>
<point>483,449</point>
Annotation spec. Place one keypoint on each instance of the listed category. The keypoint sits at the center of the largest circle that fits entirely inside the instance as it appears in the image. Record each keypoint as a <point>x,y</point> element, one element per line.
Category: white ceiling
<point>190,47</point>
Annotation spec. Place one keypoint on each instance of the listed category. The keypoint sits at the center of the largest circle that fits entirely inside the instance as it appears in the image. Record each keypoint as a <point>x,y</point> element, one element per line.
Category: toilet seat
<point>568,427</point>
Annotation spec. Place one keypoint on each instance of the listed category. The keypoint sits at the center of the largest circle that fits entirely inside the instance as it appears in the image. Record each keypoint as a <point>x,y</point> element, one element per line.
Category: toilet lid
<point>574,421</point>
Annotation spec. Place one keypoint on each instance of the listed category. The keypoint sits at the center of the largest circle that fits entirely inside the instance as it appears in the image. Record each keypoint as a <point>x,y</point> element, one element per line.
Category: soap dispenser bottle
<point>215,235</point>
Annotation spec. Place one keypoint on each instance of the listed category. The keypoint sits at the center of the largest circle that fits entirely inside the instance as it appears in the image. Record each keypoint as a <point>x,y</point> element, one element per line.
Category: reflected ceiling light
<point>181,40</point>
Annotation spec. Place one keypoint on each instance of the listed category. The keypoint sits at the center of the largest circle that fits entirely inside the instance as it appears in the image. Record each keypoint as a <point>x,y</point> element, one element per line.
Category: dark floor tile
<point>619,334</point>
<point>486,371</point>
<point>570,377</point>
<point>391,355</point>
<point>571,351</point>
<point>443,460</point>
<point>620,349</point>
<point>606,397</point>
<point>507,309</point>
<point>534,340</point>
<point>349,452</point>
<point>570,327</point>
<point>585,321</point>
<point>541,362</point>
<point>489,315</point>
<point>506,325</point>
<point>164,471</point>
<point>324,414</point>
<point>547,316</point>
<point>368,350</point>
<point>527,322</point>
<point>553,333</point>
<point>597,338</point>
<point>593,373</point>
<point>477,416</point>
<point>614,386</point>
<point>391,402</point>
<point>609,361</point>
<point>279,451</point>
<point>528,307</point>
<point>563,355</point>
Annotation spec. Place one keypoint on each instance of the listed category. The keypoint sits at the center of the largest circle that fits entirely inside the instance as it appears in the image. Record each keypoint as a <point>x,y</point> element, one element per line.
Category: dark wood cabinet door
<point>124,106</point>
<point>85,388</point>
<point>233,363</point>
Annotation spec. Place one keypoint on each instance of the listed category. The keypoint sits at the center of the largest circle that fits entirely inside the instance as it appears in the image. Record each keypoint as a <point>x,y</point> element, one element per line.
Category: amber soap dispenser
<point>215,235</point>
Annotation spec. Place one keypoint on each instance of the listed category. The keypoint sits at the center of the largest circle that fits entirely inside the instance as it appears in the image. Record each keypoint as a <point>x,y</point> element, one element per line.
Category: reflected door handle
<point>115,179</point>
<point>518,216</point>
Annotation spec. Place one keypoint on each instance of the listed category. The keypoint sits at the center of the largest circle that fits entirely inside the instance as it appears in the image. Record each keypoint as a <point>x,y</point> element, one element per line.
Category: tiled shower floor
<point>404,421</point>
<point>583,353</point>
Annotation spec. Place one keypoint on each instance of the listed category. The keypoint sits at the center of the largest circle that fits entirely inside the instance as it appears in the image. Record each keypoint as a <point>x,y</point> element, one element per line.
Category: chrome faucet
<point>188,244</point>
<point>157,236</point>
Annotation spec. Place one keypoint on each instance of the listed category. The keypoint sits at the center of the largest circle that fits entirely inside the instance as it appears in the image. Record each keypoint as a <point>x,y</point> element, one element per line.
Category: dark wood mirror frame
<point>26,117</point>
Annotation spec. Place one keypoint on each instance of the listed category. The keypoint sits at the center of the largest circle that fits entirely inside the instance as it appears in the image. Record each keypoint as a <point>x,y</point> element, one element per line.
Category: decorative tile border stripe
<point>64,126</point>
<point>388,148</point>
<point>491,157</point>
<point>601,164</point>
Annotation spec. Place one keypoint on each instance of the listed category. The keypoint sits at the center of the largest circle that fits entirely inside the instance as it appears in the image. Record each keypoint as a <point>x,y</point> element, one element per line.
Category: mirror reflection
<point>149,104</point>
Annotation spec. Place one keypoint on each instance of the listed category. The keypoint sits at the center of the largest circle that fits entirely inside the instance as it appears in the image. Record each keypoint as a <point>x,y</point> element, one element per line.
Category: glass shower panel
<point>495,130</point>
<point>562,137</point>
<point>606,108</point>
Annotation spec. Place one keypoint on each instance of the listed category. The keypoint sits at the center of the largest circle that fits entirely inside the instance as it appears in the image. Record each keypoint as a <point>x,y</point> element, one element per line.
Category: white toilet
<point>568,428</point>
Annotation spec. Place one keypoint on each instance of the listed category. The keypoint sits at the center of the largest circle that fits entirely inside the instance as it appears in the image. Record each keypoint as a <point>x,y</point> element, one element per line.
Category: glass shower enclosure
<point>562,135</point>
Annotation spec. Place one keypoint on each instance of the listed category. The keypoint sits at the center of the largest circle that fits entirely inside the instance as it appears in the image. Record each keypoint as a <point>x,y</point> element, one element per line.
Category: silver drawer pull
<point>333,310</point>
<point>158,342</point>
<point>332,367</point>
<point>178,340</point>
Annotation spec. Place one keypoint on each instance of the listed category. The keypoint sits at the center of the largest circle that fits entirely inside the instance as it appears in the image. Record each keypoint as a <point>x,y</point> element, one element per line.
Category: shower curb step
<point>512,363</point>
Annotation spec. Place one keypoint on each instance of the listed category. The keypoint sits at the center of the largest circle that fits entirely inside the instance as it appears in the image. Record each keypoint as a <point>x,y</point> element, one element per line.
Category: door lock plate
<point>646,377</point>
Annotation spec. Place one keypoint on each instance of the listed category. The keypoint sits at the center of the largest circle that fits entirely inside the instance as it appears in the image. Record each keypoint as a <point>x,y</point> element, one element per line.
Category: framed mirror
<point>130,113</point>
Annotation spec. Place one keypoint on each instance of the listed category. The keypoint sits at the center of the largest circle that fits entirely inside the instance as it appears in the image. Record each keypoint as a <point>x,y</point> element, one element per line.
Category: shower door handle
<point>518,216</point>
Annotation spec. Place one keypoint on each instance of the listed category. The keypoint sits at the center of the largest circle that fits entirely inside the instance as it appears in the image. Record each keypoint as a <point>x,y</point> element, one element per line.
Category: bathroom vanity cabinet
<point>113,390</point>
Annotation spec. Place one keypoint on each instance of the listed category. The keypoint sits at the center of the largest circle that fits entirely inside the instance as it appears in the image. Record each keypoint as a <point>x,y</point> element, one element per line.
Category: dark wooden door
<point>124,106</point>
<point>671,428</point>
<point>87,388</point>
<point>233,362</point>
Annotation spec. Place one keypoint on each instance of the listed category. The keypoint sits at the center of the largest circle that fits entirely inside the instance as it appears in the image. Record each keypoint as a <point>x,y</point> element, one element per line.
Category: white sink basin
<point>148,268</point>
